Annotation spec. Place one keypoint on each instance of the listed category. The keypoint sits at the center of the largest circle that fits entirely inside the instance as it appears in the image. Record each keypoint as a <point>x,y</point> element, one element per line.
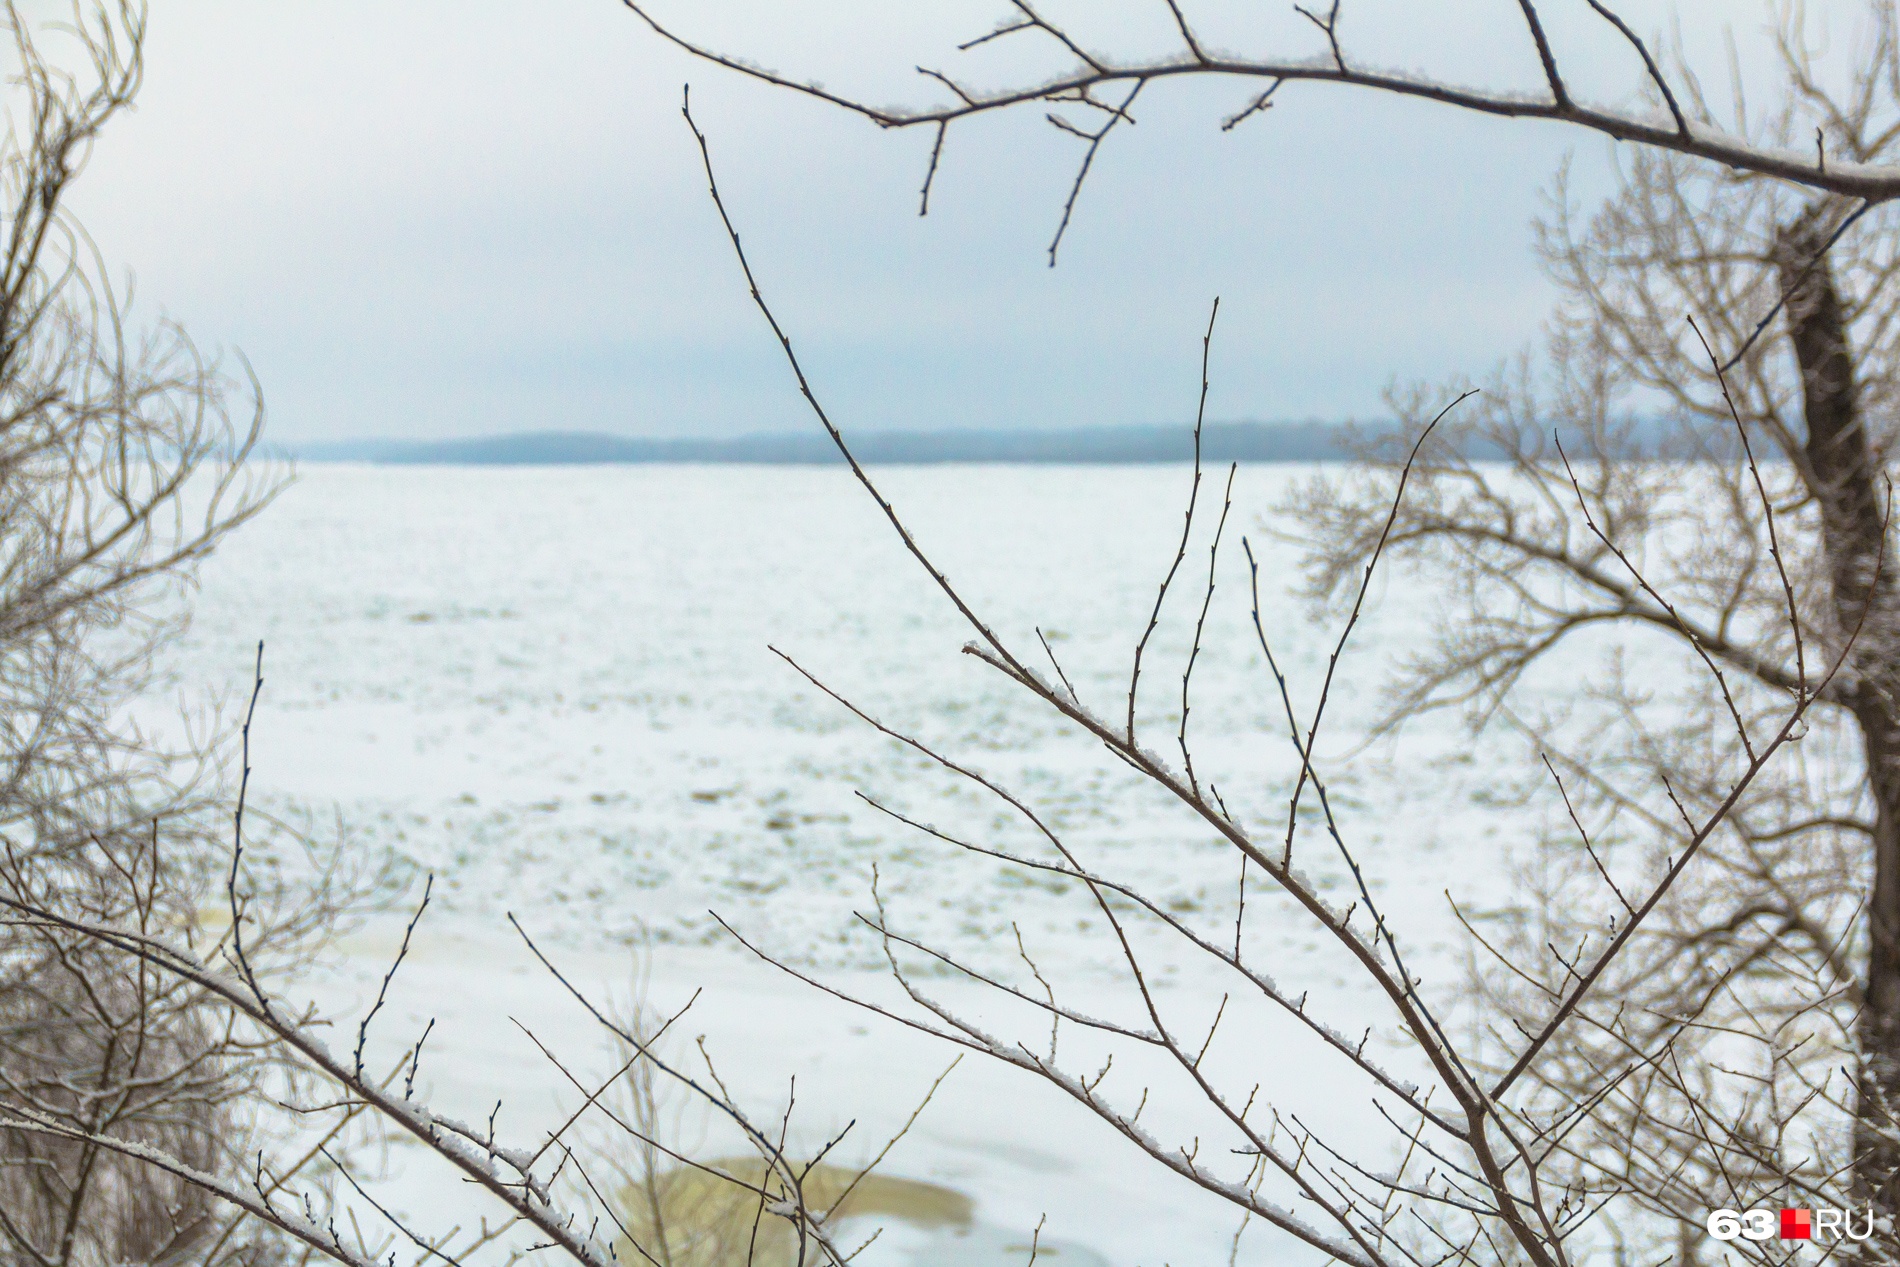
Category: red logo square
<point>1797,1225</point>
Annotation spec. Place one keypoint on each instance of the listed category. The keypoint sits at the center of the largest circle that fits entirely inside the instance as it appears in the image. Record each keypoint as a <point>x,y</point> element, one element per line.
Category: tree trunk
<point>1846,484</point>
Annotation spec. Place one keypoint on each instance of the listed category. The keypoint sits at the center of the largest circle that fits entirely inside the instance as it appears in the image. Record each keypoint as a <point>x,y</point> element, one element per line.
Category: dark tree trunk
<point>1847,486</point>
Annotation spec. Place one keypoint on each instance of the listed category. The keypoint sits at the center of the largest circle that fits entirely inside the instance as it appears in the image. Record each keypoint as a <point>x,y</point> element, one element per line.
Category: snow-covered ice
<point>554,689</point>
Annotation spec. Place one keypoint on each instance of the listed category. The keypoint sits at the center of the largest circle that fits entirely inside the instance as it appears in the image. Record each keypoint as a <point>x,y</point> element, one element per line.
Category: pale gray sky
<point>460,217</point>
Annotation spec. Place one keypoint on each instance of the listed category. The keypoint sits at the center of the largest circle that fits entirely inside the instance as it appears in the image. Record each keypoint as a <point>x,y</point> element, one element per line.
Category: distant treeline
<point>1220,442</point>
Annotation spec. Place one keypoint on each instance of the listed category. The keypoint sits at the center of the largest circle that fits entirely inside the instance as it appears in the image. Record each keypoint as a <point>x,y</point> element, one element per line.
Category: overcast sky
<point>459,217</point>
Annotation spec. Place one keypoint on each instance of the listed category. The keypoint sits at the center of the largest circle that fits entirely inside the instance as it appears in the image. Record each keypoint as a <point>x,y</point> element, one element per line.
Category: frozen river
<point>554,689</point>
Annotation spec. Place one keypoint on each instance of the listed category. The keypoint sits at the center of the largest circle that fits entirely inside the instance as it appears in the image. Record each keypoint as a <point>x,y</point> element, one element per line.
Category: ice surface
<point>552,688</point>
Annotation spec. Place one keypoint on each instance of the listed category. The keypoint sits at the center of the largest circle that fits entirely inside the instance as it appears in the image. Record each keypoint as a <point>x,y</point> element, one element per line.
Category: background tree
<point>1624,444</point>
<point>122,465</point>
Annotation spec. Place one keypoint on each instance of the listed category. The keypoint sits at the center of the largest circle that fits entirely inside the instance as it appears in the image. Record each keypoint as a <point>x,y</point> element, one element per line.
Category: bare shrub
<point>124,460</point>
<point>1570,1128</point>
